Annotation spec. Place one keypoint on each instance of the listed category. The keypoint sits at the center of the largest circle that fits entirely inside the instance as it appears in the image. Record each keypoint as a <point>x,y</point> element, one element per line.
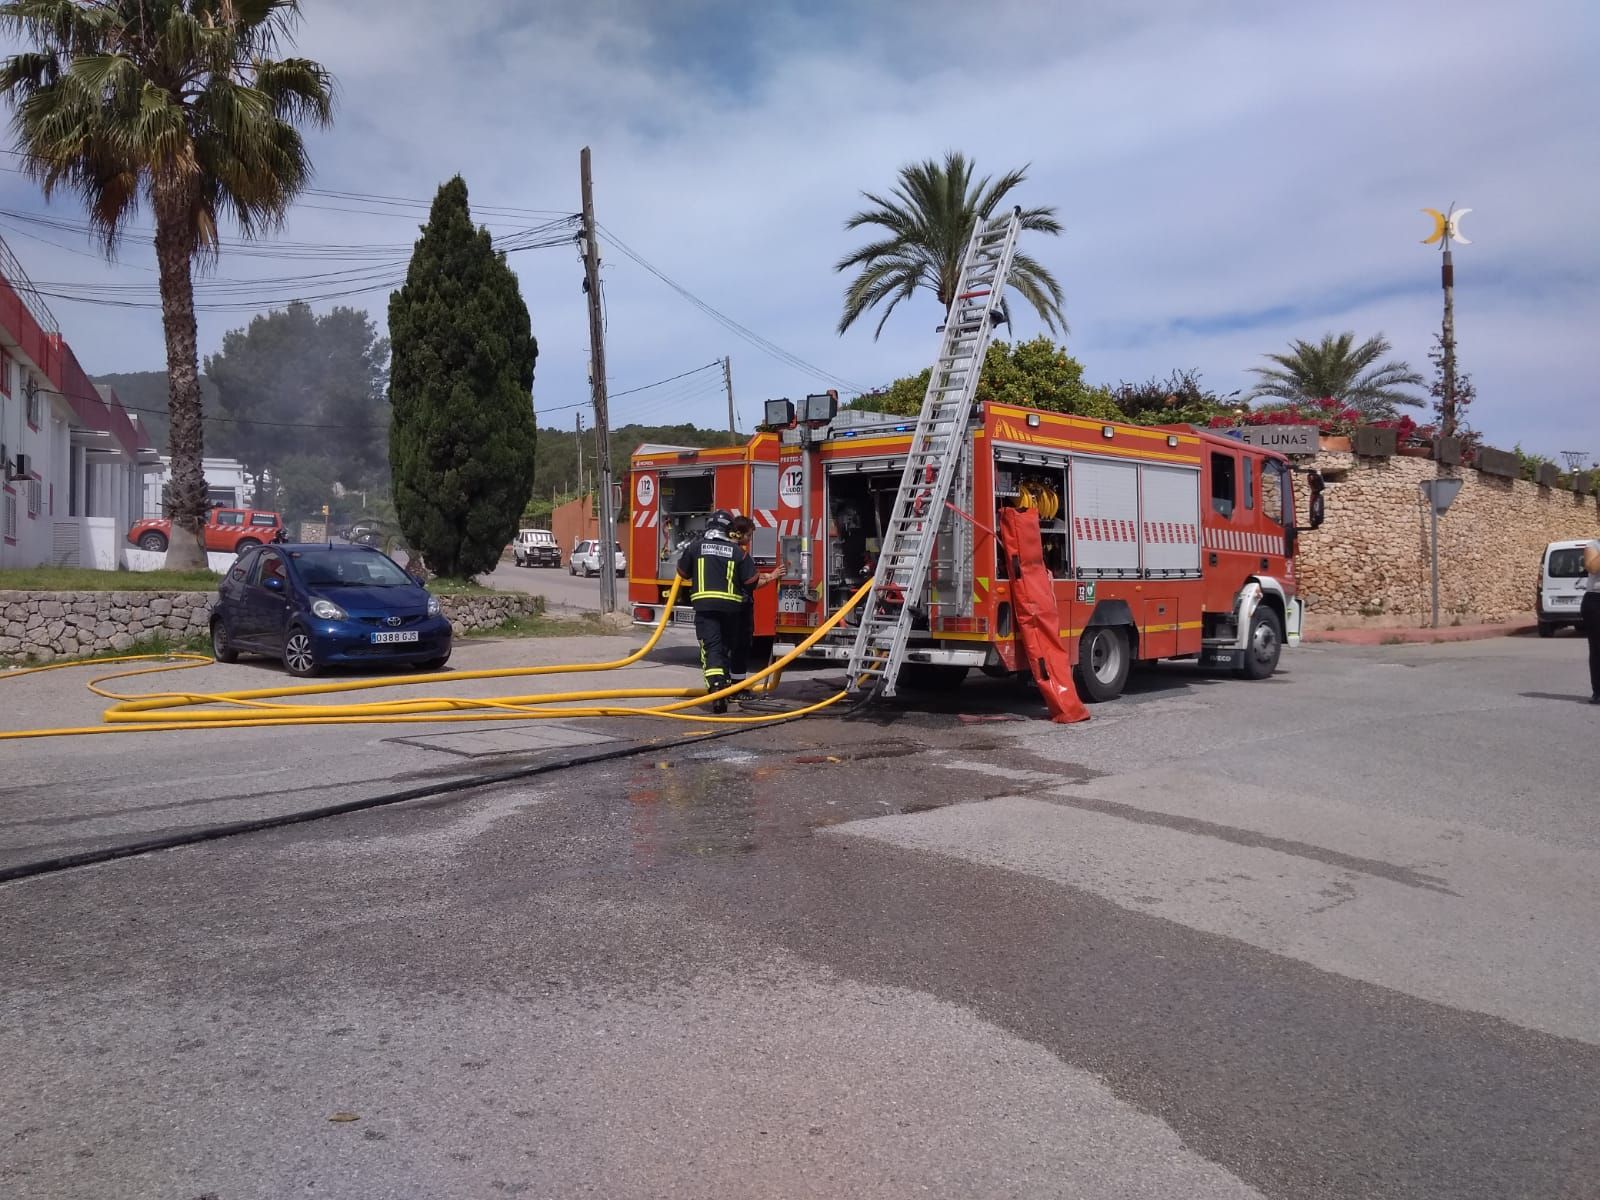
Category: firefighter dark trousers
<point>1591,628</point>
<point>718,631</point>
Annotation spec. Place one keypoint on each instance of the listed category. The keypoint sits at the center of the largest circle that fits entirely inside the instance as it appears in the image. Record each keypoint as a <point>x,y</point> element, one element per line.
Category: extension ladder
<point>901,578</point>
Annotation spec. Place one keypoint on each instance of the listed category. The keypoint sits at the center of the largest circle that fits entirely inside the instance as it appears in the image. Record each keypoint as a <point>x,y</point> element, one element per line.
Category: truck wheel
<point>154,542</point>
<point>244,544</point>
<point>1103,663</point>
<point>1547,629</point>
<point>1263,646</point>
<point>932,677</point>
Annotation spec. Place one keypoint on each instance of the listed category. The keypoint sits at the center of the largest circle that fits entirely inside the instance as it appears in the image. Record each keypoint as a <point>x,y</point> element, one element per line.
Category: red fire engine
<point>1165,542</point>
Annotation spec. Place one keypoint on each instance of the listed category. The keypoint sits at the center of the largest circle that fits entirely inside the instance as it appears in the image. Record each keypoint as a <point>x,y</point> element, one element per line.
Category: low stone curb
<point>44,626</point>
<point>1455,633</point>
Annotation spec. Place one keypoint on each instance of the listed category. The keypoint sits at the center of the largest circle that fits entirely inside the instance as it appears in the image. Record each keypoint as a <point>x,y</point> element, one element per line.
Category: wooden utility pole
<point>727,378</point>
<point>597,372</point>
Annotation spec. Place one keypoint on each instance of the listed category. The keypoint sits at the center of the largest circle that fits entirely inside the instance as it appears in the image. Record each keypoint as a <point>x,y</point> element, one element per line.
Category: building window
<point>5,373</point>
<point>35,497</point>
<point>8,519</point>
<point>35,400</point>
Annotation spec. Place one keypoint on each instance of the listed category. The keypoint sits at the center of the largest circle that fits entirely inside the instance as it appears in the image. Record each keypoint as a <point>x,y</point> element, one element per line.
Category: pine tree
<point>462,431</point>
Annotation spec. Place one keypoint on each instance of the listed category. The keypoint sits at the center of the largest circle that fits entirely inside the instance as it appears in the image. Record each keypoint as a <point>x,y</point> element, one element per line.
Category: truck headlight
<point>433,606</point>
<point>327,610</point>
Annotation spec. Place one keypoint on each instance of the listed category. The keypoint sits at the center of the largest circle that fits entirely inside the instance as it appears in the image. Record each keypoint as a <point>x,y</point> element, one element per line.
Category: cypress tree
<point>462,432</point>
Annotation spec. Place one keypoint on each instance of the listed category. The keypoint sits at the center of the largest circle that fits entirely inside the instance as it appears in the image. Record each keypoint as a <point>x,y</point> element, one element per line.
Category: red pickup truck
<point>227,530</point>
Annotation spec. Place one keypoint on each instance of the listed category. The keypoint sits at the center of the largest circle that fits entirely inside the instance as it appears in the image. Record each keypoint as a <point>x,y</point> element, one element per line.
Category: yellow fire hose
<point>155,712</point>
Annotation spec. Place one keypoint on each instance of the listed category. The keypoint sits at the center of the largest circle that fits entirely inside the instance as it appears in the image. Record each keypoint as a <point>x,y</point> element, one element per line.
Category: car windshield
<point>1566,563</point>
<point>337,568</point>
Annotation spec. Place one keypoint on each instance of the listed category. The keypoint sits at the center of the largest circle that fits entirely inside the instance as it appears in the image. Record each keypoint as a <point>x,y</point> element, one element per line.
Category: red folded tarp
<point>1038,622</point>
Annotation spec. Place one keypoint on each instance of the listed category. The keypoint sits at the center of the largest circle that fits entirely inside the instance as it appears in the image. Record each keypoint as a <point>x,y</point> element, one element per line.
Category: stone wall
<point>1369,563</point>
<point>42,626</point>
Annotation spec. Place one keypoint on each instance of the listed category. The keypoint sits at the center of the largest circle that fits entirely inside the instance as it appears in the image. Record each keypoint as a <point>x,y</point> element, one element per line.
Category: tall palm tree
<point>180,103</point>
<point>929,217</point>
<point>1338,368</point>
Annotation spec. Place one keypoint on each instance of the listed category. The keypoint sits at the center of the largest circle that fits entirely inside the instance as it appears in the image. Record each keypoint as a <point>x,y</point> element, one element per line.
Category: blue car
<point>322,605</point>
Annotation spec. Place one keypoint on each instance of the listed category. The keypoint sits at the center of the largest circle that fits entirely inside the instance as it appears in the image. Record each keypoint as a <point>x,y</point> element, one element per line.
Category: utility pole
<point>727,378</point>
<point>580,455</point>
<point>597,372</point>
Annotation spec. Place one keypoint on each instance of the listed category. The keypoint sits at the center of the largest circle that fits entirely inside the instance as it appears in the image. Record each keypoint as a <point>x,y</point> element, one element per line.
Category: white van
<point>1560,592</point>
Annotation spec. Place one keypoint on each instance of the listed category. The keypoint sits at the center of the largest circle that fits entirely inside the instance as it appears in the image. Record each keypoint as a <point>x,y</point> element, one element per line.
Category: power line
<point>767,347</point>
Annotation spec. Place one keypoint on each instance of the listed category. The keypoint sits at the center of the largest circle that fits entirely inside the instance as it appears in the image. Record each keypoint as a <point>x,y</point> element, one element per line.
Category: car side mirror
<point>272,583</point>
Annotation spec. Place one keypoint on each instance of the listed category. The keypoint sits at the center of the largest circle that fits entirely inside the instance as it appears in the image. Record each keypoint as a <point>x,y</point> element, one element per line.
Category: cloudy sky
<point>1231,174</point>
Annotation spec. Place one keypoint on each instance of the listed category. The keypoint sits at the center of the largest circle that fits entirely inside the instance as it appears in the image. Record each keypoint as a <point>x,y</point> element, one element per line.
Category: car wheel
<point>1547,629</point>
<point>1263,646</point>
<point>220,649</point>
<point>1103,663</point>
<point>572,569</point>
<point>244,544</point>
<point>154,542</point>
<point>299,656</point>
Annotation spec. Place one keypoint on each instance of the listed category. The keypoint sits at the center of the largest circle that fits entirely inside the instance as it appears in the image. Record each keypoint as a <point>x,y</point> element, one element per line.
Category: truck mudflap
<point>1033,599</point>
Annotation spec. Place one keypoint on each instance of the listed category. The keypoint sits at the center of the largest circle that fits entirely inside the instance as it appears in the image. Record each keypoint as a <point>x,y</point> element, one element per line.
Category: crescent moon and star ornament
<point>1446,226</point>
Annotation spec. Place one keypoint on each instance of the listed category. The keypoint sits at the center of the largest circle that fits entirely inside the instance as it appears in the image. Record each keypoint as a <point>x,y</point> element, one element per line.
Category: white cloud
<point>1231,176</point>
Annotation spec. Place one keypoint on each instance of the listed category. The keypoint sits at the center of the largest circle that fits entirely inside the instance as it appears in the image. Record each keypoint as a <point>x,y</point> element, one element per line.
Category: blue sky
<point>1231,175</point>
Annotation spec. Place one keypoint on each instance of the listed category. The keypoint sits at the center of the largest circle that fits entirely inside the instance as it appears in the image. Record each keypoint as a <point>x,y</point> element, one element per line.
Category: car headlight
<point>327,610</point>
<point>433,606</point>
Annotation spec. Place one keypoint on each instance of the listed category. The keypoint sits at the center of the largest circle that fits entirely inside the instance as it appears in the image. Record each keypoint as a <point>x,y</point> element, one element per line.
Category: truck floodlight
<point>779,414</point>
<point>1172,439</point>
<point>820,408</point>
<point>1107,432</point>
<point>1033,420</point>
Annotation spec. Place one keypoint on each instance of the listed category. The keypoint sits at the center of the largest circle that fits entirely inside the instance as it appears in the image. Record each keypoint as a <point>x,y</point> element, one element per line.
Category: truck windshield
<point>1276,501</point>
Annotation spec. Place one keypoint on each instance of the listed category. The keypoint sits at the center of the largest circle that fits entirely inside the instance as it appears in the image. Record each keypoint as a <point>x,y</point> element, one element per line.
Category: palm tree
<point>929,218</point>
<point>183,104</point>
<point>1336,367</point>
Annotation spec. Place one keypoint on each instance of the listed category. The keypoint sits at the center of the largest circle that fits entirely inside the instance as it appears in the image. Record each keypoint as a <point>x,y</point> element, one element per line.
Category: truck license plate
<point>404,635</point>
<point>792,600</point>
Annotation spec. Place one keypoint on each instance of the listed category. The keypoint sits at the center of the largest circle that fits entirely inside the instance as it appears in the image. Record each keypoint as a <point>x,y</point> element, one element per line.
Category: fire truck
<point>1164,542</point>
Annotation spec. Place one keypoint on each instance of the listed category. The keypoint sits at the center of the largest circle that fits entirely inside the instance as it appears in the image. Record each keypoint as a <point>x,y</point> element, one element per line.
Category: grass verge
<point>84,579</point>
<point>199,644</point>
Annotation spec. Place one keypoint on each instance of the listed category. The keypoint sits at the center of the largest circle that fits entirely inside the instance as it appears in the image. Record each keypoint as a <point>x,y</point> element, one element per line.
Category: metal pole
<point>597,366</point>
<point>1447,409</point>
<point>1433,512</point>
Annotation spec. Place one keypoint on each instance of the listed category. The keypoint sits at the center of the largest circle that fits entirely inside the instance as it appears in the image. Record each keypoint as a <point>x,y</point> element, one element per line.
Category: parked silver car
<point>585,559</point>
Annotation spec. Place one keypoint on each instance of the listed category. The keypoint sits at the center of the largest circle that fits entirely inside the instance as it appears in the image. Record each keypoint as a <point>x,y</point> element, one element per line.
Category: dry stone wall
<point>1369,563</point>
<point>43,626</point>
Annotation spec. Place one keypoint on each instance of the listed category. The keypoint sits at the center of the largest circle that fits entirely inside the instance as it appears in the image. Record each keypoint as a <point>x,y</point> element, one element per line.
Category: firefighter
<point>741,531</point>
<point>718,571</point>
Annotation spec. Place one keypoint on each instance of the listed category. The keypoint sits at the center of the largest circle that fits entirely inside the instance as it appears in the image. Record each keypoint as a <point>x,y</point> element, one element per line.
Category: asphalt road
<point>1331,935</point>
<point>562,592</point>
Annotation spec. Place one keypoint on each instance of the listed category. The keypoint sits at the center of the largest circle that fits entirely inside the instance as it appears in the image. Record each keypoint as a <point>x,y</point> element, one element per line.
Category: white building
<point>226,484</point>
<point>73,479</point>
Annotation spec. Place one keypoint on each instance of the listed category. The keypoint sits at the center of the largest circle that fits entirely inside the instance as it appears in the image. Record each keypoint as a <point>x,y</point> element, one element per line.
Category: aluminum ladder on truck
<point>901,578</point>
